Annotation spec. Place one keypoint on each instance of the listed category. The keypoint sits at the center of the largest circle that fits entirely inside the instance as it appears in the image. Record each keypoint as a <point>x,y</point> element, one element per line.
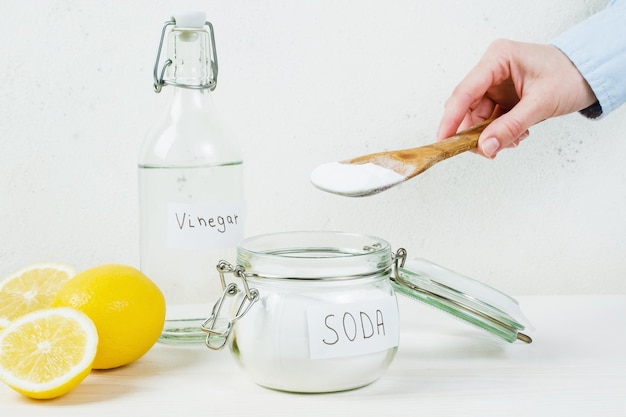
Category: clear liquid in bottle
<point>191,207</point>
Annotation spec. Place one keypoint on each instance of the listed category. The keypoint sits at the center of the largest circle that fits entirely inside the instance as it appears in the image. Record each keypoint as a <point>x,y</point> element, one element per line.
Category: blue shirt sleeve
<point>597,46</point>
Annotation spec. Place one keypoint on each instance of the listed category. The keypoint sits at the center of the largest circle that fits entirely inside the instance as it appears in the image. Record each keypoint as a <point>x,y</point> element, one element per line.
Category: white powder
<point>273,339</point>
<point>354,180</point>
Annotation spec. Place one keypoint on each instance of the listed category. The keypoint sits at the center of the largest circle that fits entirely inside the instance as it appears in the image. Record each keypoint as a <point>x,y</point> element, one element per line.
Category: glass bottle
<point>191,207</point>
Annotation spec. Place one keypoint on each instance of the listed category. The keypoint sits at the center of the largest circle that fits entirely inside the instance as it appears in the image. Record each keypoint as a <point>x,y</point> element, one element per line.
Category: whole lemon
<point>127,308</point>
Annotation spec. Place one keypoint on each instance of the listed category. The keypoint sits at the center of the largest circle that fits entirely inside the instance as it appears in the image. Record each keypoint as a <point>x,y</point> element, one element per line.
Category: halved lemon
<point>31,288</point>
<point>47,353</point>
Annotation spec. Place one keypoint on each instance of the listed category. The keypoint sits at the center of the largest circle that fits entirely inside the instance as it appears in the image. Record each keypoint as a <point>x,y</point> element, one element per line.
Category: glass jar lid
<point>460,296</point>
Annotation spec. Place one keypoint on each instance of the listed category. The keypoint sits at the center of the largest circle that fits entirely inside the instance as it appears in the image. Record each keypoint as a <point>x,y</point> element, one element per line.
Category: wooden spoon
<point>370,174</point>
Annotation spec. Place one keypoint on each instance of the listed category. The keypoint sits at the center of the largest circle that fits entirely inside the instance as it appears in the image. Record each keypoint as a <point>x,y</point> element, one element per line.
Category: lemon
<point>127,308</point>
<point>46,353</point>
<point>31,288</point>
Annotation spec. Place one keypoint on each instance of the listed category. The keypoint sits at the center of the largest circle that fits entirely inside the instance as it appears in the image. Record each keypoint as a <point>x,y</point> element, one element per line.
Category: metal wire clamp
<point>158,78</point>
<point>219,325</point>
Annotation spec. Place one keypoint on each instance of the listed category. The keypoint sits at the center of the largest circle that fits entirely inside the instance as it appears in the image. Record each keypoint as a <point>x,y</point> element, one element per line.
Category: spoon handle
<point>461,142</point>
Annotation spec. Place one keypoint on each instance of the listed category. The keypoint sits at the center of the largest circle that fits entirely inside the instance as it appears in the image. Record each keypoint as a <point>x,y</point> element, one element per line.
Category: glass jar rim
<point>315,255</point>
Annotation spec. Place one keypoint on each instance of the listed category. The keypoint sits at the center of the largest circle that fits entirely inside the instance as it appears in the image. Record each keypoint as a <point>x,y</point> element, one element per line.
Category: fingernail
<point>490,146</point>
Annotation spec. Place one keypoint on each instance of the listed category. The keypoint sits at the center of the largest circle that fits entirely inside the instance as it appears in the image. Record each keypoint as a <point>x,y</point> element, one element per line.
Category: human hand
<point>522,83</point>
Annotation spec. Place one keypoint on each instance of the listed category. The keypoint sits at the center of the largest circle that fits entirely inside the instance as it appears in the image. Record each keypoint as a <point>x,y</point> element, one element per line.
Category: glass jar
<point>317,312</point>
<point>324,316</point>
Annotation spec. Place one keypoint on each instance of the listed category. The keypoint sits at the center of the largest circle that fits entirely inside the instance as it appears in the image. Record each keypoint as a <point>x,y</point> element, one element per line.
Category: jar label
<point>342,330</point>
<point>205,226</point>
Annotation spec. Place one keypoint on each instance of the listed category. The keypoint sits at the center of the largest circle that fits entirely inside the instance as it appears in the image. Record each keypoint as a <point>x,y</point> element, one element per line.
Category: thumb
<point>508,128</point>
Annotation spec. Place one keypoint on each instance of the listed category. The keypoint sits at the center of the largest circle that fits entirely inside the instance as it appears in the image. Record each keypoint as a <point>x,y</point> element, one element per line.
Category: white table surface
<point>576,366</point>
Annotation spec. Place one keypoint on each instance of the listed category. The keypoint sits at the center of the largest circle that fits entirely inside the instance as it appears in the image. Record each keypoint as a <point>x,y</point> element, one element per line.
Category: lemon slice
<point>46,353</point>
<point>31,288</point>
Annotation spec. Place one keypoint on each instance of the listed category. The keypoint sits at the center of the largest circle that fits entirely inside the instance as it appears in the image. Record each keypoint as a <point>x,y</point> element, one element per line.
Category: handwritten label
<point>205,226</point>
<point>343,330</point>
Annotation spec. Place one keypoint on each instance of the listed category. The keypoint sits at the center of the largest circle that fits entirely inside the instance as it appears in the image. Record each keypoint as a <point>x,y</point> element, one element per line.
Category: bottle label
<point>343,330</point>
<point>205,226</point>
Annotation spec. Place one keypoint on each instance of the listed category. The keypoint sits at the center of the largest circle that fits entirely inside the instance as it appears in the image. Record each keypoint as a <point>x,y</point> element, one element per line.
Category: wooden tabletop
<point>576,366</point>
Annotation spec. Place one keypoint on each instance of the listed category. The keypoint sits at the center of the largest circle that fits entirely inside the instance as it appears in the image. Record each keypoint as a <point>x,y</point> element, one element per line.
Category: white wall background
<point>305,83</point>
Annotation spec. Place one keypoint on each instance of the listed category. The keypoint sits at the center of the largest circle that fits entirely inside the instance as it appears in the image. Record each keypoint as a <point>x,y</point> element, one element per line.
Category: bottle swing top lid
<point>186,24</point>
<point>190,20</point>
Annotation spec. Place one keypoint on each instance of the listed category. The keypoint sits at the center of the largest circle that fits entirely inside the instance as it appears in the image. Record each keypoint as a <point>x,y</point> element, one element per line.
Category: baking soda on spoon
<point>373,173</point>
<point>355,179</point>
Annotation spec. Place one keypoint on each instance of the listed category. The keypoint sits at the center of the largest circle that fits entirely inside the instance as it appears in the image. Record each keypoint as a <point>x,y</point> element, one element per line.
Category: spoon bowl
<point>370,174</point>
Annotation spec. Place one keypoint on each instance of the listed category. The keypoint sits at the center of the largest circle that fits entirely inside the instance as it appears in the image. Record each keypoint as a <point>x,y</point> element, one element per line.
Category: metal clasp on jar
<point>219,325</point>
